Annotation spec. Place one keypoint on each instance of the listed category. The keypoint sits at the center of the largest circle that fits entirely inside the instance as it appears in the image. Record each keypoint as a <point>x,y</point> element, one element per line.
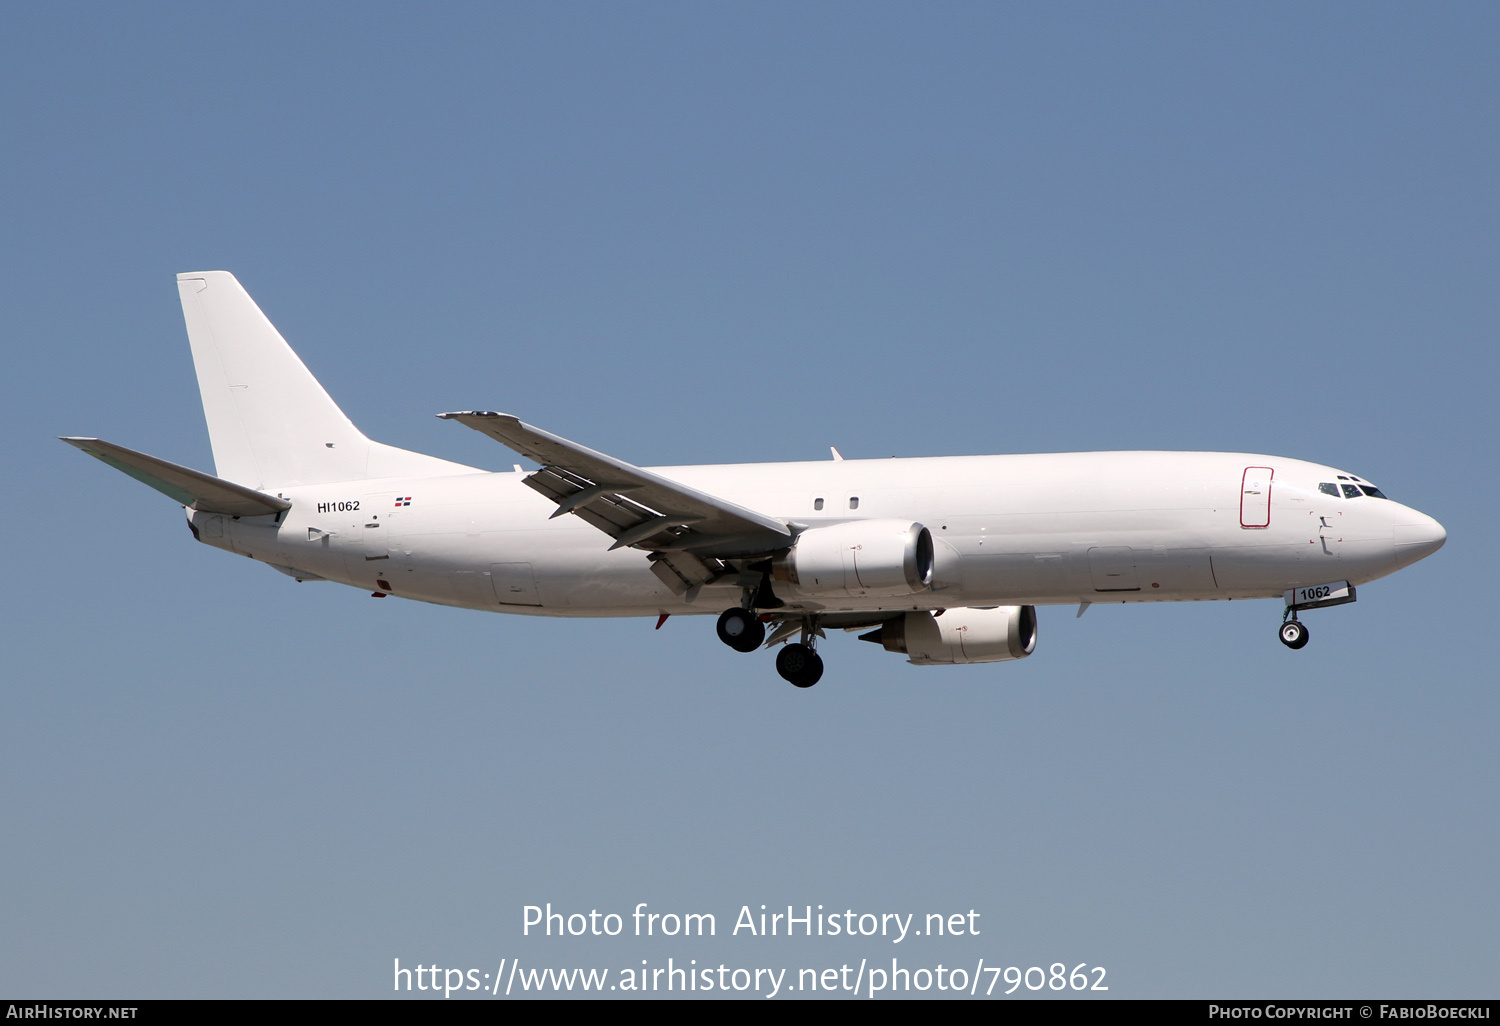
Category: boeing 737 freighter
<point>942,559</point>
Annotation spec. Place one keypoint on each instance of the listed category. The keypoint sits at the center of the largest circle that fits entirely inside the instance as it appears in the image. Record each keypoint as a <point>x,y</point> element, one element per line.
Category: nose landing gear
<point>1293,634</point>
<point>1304,597</point>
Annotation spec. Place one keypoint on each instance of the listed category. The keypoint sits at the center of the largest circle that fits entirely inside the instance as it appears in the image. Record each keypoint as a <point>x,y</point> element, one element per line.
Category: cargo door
<point>374,546</point>
<point>380,529</point>
<point>514,584</point>
<point>1112,568</point>
<point>372,538</point>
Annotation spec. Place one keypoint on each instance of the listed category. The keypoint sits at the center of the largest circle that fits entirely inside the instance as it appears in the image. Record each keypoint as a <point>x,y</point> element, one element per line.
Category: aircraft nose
<point>1417,536</point>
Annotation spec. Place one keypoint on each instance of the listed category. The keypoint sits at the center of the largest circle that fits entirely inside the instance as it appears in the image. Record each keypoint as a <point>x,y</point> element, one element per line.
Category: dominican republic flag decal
<point>403,500</point>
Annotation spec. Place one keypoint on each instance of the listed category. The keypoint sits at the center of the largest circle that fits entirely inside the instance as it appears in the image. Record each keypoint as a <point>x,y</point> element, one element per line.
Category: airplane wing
<point>683,527</point>
<point>192,488</point>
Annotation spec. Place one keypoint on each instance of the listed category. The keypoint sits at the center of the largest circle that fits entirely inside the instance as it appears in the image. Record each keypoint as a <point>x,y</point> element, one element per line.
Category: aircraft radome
<point>943,559</point>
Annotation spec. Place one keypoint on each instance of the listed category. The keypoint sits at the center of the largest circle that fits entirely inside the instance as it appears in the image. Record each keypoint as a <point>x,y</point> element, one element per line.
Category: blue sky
<point>708,233</point>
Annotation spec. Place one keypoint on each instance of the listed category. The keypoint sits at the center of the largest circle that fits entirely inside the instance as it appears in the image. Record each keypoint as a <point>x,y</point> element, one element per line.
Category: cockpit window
<point>1372,492</point>
<point>1329,488</point>
<point>1351,492</point>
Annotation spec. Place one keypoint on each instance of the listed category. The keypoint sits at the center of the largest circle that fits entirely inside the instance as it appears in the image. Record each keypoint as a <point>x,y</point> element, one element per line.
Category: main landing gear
<point>741,629</point>
<point>798,662</point>
<point>1293,633</point>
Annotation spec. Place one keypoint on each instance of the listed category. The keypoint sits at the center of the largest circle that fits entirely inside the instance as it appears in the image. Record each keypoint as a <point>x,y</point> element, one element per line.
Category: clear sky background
<point>687,233</point>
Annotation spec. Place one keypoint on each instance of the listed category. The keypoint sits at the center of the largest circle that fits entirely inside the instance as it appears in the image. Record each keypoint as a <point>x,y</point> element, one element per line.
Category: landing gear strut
<point>741,629</point>
<point>1293,634</point>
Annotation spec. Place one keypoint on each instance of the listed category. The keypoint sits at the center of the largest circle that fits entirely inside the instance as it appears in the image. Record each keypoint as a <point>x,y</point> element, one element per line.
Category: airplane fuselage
<point>1008,530</point>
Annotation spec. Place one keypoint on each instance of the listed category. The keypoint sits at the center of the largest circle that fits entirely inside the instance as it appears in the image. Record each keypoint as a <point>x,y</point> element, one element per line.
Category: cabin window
<point>1329,488</point>
<point>1351,492</point>
<point>854,502</point>
<point>817,504</point>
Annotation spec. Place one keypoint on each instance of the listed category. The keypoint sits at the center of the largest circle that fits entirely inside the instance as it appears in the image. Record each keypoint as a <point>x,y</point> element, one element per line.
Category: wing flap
<point>683,571</point>
<point>191,488</point>
<point>634,506</point>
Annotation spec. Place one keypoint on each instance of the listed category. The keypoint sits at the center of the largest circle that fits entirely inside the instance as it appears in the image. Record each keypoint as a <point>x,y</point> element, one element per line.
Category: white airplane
<point>943,559</point>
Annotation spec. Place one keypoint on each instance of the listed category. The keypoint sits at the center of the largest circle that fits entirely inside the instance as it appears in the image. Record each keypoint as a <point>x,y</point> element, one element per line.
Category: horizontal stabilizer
<point>190,487</point>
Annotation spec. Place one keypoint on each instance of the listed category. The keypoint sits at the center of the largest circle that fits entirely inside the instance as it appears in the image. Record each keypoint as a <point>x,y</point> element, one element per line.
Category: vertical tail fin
<point>270,422</point>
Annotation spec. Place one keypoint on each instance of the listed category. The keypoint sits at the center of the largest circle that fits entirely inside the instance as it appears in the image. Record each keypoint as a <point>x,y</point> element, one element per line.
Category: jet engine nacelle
<point>960,635</point>
<point>859,559</point>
